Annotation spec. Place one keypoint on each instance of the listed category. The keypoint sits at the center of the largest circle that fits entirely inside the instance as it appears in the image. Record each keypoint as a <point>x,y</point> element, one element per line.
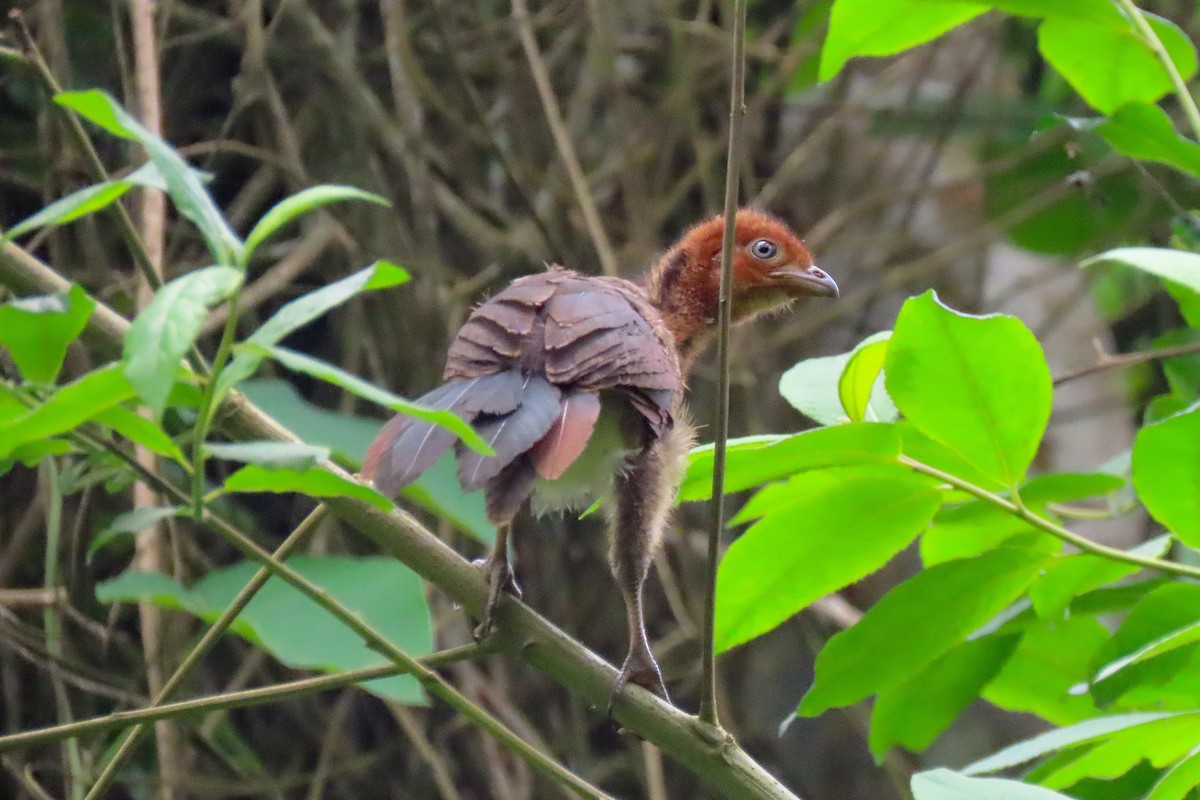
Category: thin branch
<point>562,139</point>
<point>521,633</point>
<point>119,720</point>
<point>1108,362</point>
<point>737,110</point>
<point>1151,40</point>
<point>129,232</point>
<point>1052,528</point>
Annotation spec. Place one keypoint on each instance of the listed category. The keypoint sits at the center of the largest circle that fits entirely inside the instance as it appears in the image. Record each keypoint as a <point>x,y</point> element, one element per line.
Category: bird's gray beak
<point>806,281</point>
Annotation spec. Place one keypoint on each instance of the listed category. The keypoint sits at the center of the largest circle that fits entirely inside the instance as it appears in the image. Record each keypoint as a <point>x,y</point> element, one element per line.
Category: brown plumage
<point>577,385</point>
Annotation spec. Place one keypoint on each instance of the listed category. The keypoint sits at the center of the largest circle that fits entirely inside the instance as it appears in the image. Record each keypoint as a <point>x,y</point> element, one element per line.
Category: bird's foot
<point>642,670</point>
<point>500,578</point>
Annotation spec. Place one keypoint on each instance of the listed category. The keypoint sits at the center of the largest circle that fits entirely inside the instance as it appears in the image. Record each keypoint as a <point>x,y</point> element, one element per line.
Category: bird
<point>576,383</point>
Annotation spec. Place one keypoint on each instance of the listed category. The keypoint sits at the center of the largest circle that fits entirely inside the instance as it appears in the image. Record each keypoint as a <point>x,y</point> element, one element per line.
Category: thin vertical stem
<point>737,110</point>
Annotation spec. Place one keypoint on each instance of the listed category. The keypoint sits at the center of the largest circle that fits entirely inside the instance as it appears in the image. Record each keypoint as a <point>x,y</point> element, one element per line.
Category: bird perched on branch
<point>577,382</point>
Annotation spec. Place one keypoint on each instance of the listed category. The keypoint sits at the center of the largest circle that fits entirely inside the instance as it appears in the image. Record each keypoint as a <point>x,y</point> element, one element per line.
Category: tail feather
<point>568,436</point>
<point>510,434</point>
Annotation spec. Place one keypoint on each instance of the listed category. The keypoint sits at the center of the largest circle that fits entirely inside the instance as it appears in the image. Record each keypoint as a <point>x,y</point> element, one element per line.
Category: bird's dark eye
<point>764,249</point>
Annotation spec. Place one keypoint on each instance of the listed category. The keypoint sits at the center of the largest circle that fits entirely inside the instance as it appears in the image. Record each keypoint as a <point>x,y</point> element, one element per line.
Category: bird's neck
<point>688,306</point>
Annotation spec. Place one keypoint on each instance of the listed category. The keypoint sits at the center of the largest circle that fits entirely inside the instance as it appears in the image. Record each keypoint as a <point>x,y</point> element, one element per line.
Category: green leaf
<point>348,436</point>
<point>1172,265</point>
<point>1061,738</point>
<point>973,528</point>
<point>1177,782</point>
<point>1074,575</point>
<point>1052,657</point>
<point>168,326</point>
<point>382,591</point>
<point>272,455</point>
<point>301,203</point>
<point>1129,72</point>
<point>183,183</point>
<point>1144,131</point>
<point>140,430</point>
<point>327,372</point>
<point>870,28</point>
<point>957,378</point>
<point>1146,648</point>
<point>131,522</point>
<point>1166,473</point>
<point>813,387</point>
<point>1161,743</point>
<point>68,408</point>
<point>756,460</point>
<point>38,330</point>
<point>299,313</point>
<point>87,200</point>
<point>796,555</point>
<point>314,482</point>
<point>862,382</point>
<point>944,784</point>
<point>915,623</point>
<point>915,712</point>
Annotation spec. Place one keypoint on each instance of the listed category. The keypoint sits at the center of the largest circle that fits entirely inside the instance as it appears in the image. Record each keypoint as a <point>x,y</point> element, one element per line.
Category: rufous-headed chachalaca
<point>576,382</point>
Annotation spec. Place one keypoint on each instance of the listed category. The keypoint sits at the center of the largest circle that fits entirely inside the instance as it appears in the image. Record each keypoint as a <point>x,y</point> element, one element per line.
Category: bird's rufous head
<point>771,268</point>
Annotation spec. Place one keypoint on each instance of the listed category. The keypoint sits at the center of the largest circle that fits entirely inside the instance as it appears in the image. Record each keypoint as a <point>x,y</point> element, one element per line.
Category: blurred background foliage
<point>945,167</point>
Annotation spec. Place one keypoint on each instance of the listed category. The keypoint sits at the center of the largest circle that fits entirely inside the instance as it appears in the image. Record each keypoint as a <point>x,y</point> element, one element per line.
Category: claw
<point>642,670</point>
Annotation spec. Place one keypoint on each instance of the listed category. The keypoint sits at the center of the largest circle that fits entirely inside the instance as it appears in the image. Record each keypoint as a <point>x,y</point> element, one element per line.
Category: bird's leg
<point>643,494</point>
<point>499,573</point>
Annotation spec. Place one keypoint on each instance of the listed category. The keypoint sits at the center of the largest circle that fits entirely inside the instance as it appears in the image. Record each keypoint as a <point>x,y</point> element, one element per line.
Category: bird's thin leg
<point>643,494</point>
<point>499,573</point>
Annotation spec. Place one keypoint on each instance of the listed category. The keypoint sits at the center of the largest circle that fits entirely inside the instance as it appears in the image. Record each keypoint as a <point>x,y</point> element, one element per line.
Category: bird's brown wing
<point>526,369</point>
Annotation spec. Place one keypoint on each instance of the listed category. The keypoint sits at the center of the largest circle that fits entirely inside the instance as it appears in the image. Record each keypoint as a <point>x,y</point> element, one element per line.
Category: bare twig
<point>1123,360</point>
<point>562,139</point>
<point>737,101</point>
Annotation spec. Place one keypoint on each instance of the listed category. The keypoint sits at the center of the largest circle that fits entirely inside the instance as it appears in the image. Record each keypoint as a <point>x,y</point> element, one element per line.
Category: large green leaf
<point>1166,473</point>
<point>1129,72</point>
<point>1177,266</point>
<point>915,623</point>
<point>167,327</point>
<point>66,409</point>
<point>183,183</point>
<point>300,312</point>
<point>38,330</point>
<point>314,482</point>
<point>836,531</point>
<point>323,370</point>
<point>814,387</point>
<point>1142,130</point>
<point>915,712</point>
<point>140,430</point>
<point>301,203</point>
<point>1061,738</point>
<point>870,28</point>
<point>349,436</point>
<point>755,460</point>
<point>1052,658</point>
<point>944,784</point>
<point>293,628</point>
<point>978,385</point>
